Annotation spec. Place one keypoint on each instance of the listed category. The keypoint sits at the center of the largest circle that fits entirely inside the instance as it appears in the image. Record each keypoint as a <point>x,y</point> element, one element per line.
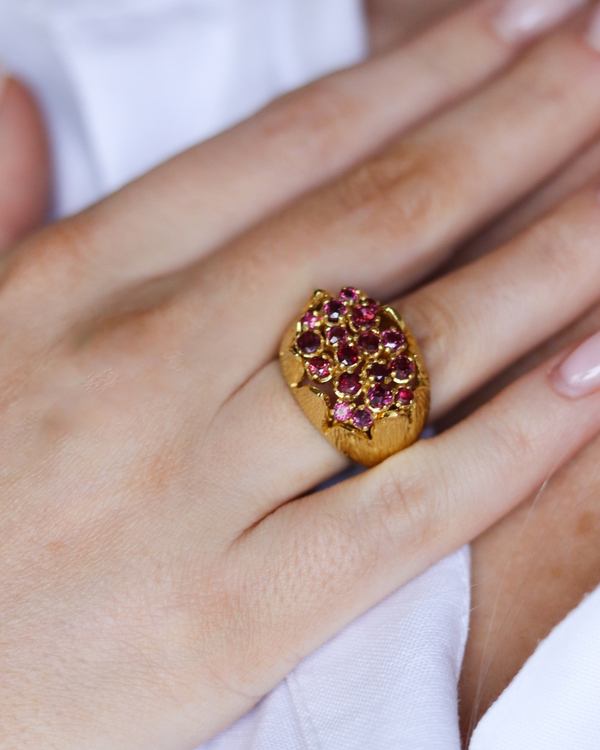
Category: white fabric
<point>387,681</point>
<point>554,701</point>
<point>127,83</point>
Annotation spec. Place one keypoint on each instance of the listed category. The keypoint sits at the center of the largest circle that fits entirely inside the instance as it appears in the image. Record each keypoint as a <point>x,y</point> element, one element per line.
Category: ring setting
<point>358,374</point>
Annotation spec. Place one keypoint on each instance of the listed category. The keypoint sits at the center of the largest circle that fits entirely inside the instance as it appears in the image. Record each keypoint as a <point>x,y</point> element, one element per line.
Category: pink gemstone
<point>380,396</point>
<point>369,342</point>
<point>309,320</point>
<point>363,419</point>
<point>349,294</point>
<point>393,340</point>
<point>347,356</point>
<point>319,368</point>
<point>308,342</point>
<point>405,396</point>
<point>370,308</point>
<point>337,335</point>
<point>360,320</point>
<point>379,372</point>
<point>342,411</point>
<point>403,367</point>
<point>334,310</point>
<point>349,383</point>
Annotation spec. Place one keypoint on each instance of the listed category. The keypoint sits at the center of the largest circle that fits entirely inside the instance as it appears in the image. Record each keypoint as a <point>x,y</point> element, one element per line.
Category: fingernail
<point>520,19</point>
<point>593,34</point>
<point>579,373</point>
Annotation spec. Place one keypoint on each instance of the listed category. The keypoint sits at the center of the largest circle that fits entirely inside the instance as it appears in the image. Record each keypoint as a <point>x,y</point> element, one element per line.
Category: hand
<point>161,568</point>
<point>536,564</point>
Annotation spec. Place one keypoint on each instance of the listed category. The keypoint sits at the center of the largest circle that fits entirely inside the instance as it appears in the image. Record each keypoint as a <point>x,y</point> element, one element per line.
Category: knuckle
<point>375,181</point>
<point>405,511</point>
<point>312,120</point>
<point>401,193</point>
<point>509,437</point>
<point>56,258</point>
<point>552,246</point>
<point>534,89</point>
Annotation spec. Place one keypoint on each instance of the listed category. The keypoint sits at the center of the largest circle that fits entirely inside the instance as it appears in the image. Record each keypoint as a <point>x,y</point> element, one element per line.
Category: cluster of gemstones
<point>347,341</point>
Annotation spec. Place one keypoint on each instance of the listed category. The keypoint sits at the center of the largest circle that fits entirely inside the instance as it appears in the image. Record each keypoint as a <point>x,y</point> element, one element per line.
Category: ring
<point>358,375</point>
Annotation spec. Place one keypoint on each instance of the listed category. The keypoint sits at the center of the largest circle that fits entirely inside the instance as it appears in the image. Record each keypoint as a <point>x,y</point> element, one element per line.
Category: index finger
<point>204,197</point>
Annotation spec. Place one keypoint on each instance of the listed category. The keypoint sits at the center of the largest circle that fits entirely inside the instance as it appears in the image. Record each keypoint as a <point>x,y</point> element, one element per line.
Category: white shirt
<point>124,85</point>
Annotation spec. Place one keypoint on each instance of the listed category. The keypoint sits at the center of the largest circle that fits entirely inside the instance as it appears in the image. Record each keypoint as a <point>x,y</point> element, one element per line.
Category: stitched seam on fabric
<point>307,728</point>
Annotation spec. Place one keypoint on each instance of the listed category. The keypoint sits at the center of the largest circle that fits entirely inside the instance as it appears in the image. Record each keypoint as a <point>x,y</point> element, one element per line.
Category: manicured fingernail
<point>594,31</point>
<point>521,19</point>
<point>579,373</point>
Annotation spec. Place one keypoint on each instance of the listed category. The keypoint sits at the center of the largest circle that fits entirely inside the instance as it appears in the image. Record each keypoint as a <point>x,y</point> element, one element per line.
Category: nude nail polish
<point>521,19</point>
<point>579,374</point>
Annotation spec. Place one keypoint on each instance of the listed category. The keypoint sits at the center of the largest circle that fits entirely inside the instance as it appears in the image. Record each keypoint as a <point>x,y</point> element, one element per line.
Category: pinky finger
<point>342,550</point>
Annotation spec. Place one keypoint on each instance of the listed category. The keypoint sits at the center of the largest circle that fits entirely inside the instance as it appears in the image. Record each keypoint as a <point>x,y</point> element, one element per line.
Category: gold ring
<point>358,374</point>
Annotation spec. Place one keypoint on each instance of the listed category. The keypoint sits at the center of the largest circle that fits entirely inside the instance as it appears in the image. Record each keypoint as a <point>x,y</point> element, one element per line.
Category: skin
<point>536,564</point>
<point>394,22</point>
<point>159,574</point>
<point>24,165</point>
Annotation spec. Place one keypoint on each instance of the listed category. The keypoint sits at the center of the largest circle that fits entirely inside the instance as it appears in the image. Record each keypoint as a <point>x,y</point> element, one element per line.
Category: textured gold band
<point>358,375</point>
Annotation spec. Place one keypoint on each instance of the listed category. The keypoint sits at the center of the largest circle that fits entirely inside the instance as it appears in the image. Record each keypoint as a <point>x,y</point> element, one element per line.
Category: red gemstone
<point>342,411</point>
<point>308,342</point>
<point>379,372</point>
<point>347,356</point>
<point>405,396</point>
<point>363,419</point>
<point>319,368</point>
<point>361,320</point>
<point>349,294</point>
<point>309,320</point>
<point>349,384</point>
<point>334,310</point>
<point>403,367</point>
<point>369,342</point>
<point>393,340</point>
<point>380,396</point>
<point>370,308</point>
<point>337,335</point>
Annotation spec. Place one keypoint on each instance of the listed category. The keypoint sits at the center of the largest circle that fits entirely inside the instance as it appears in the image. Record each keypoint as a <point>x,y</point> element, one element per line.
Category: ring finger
<point>470,325</point>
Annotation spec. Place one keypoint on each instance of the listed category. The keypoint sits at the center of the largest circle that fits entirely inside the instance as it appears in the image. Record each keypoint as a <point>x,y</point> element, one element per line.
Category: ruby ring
<point>358,374</point>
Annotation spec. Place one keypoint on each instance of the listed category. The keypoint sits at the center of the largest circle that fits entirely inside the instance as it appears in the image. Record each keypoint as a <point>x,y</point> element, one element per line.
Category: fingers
<point>470,325</point>
<point>201,199</point>
<point>476,321</point>
<point>24,164</point>
<point>390,221</point>
<point>330,556</point>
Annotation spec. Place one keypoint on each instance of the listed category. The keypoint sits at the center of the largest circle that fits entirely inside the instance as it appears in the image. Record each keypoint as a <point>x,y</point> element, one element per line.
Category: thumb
<point>24,164</point>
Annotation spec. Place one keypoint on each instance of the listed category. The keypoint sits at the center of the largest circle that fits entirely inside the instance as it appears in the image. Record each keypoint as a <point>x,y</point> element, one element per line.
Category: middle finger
<point>388,223</point>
